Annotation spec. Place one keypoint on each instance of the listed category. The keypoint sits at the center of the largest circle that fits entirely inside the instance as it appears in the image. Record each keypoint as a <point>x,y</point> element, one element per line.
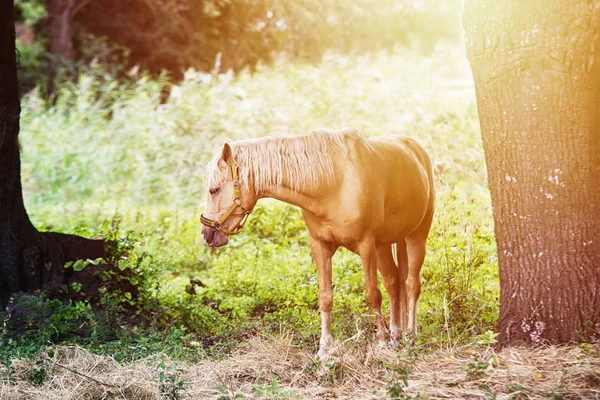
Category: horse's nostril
<point>209,234</point>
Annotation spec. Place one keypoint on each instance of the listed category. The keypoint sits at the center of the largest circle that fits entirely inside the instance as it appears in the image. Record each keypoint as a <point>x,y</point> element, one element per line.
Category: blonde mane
<point>306,160</point>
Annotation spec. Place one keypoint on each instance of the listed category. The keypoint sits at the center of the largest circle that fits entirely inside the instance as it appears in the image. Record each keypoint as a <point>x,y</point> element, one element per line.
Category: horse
<point>373,196</point>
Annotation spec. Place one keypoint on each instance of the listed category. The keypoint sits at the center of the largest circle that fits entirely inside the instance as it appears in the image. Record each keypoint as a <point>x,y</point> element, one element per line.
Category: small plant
<point>398,373</point>
<point>226,394</point>
<point>490,393</point>
<point>397,382</point>
<point>558,393</point>
<point>37,375</point>
<point>488,337</point>
<point>272,391</point>
<point>476,369</point>
<point>516,390</point>
<point>170,382</point>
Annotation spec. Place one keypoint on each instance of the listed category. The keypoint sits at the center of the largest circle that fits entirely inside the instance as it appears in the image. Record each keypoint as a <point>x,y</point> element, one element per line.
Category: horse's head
<point>228,202</point>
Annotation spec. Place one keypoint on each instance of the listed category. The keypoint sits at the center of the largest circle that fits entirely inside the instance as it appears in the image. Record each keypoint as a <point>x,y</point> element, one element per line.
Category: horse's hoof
<point>322,353</point>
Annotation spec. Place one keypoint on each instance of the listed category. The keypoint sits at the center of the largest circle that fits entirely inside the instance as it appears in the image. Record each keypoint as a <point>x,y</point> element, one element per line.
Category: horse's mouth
<point>219,243</point>
<point>214,237</point>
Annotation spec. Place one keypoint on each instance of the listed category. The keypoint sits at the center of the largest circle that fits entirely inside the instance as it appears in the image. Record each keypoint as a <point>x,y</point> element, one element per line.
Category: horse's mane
<point>306,159</point>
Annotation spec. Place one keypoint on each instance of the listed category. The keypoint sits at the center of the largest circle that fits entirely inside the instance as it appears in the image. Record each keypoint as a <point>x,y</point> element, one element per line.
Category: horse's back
<point>403,146</point>
<point>390,179</point>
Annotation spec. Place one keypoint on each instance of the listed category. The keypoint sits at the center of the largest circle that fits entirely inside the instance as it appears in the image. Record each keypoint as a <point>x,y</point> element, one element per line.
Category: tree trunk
<point>536,66</point>
<point>61,28</point>
<point>28,259</point>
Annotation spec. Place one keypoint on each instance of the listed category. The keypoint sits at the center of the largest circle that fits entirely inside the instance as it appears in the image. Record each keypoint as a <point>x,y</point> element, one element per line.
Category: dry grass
<point>275,369</point>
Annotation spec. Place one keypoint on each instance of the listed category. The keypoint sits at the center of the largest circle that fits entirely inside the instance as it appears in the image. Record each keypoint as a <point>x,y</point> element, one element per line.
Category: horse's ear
<point>226,154</point>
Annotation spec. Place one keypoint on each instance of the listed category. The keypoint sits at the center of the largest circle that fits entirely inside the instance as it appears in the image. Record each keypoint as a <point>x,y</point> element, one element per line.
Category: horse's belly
<point>398,227</point>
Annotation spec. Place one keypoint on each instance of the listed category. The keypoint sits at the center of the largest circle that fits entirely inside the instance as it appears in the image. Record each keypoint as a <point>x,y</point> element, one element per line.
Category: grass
<point>274,368</point>
<point>109,160</point>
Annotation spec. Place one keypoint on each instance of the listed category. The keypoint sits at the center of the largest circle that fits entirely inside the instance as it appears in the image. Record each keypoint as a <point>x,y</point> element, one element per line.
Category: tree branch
<point>79,7</point>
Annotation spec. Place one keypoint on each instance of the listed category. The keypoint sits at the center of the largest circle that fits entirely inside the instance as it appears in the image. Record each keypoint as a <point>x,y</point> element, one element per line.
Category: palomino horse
<point>363,194</point>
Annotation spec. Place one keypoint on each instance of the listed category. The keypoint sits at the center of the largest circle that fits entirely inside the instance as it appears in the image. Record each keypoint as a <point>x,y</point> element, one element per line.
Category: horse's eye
<point>214,191</point>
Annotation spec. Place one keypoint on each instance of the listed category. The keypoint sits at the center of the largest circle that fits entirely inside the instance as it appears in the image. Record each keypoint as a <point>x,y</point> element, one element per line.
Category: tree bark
<point>536,66</point>
<point>28,259</point>
<point>61,28</point>
<point>61,14</point>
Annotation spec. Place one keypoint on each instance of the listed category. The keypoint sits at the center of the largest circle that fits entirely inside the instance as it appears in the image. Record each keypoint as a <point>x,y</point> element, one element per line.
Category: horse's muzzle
<point>214,237</point>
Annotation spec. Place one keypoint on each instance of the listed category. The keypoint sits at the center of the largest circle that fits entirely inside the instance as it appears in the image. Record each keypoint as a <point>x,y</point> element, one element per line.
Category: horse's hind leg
<point>416,256</point>
<point>322,253</point>
<point>391,280</point>
<point>402,261</point>
<point>416,249</point>
<point>368,255</point>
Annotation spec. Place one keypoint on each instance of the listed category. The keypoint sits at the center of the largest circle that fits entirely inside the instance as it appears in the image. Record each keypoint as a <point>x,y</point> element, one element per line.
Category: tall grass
<point>107,148</point>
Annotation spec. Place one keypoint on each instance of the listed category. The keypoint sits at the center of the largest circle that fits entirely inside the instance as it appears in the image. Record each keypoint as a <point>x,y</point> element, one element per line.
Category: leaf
<point>537,376</point>
<point>79,265</point>
<point>122,264</point>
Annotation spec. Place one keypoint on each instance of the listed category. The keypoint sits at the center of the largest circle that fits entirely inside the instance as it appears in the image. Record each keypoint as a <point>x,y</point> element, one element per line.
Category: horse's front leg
<point>322,253</point>
<point>368,255</point>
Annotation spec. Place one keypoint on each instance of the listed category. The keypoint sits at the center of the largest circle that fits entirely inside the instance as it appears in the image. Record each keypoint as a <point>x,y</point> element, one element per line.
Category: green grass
<point>107,149</point>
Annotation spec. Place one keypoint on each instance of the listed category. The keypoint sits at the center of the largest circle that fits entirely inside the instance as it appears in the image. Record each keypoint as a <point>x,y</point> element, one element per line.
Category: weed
<point>333,373</point>
<point>558,393</point>
<point>228,394</point>
<point>272,391</point>
<point>170,382</point>
<point>488,337</point>
<point>37,375</point>
<point>398,373</point>
<point>476,369</point>
<point>490,393</point>
<point>516,390</point>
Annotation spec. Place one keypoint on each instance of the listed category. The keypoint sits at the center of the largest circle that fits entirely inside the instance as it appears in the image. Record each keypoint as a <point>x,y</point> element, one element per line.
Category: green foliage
<point>516,391</point>
<point>476,369</point>
<point>272,391</point>
<point>398,373</point>
<point>109,160</point>
<point>216,35</point>
<point>171,384</point>
<point>488,337</point>
<point>30,12</point>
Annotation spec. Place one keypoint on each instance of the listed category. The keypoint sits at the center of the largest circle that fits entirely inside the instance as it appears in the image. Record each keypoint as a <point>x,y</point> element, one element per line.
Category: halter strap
<point>237,203</point>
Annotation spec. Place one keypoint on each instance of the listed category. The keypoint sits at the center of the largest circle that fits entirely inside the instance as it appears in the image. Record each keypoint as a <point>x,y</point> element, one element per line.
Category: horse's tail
<point>401,258</point>
<point>399,249</point>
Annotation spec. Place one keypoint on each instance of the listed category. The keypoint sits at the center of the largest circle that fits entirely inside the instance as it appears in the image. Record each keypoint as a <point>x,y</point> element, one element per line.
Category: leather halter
<point>237,203</point>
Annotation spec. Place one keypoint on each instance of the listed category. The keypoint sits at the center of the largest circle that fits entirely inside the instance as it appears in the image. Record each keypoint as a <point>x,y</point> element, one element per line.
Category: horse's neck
<point>307,201</point>
<point>302,196</point>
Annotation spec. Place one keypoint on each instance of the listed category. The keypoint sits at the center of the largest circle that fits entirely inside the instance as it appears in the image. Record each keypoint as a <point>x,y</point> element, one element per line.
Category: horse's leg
<point>391,280</point>
<point>416,256</point>
<point>368,255</point>
<point>321,254</point>
<point>402,260</point>
<point>416,249</point>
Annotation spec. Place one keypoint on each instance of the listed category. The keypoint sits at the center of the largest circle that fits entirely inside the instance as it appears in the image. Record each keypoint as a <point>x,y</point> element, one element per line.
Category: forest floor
<point>272,368</point>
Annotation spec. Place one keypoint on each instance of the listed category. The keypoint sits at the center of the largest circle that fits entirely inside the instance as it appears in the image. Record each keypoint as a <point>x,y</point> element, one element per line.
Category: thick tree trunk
<point>28,259</point>
<point>536,65</point>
